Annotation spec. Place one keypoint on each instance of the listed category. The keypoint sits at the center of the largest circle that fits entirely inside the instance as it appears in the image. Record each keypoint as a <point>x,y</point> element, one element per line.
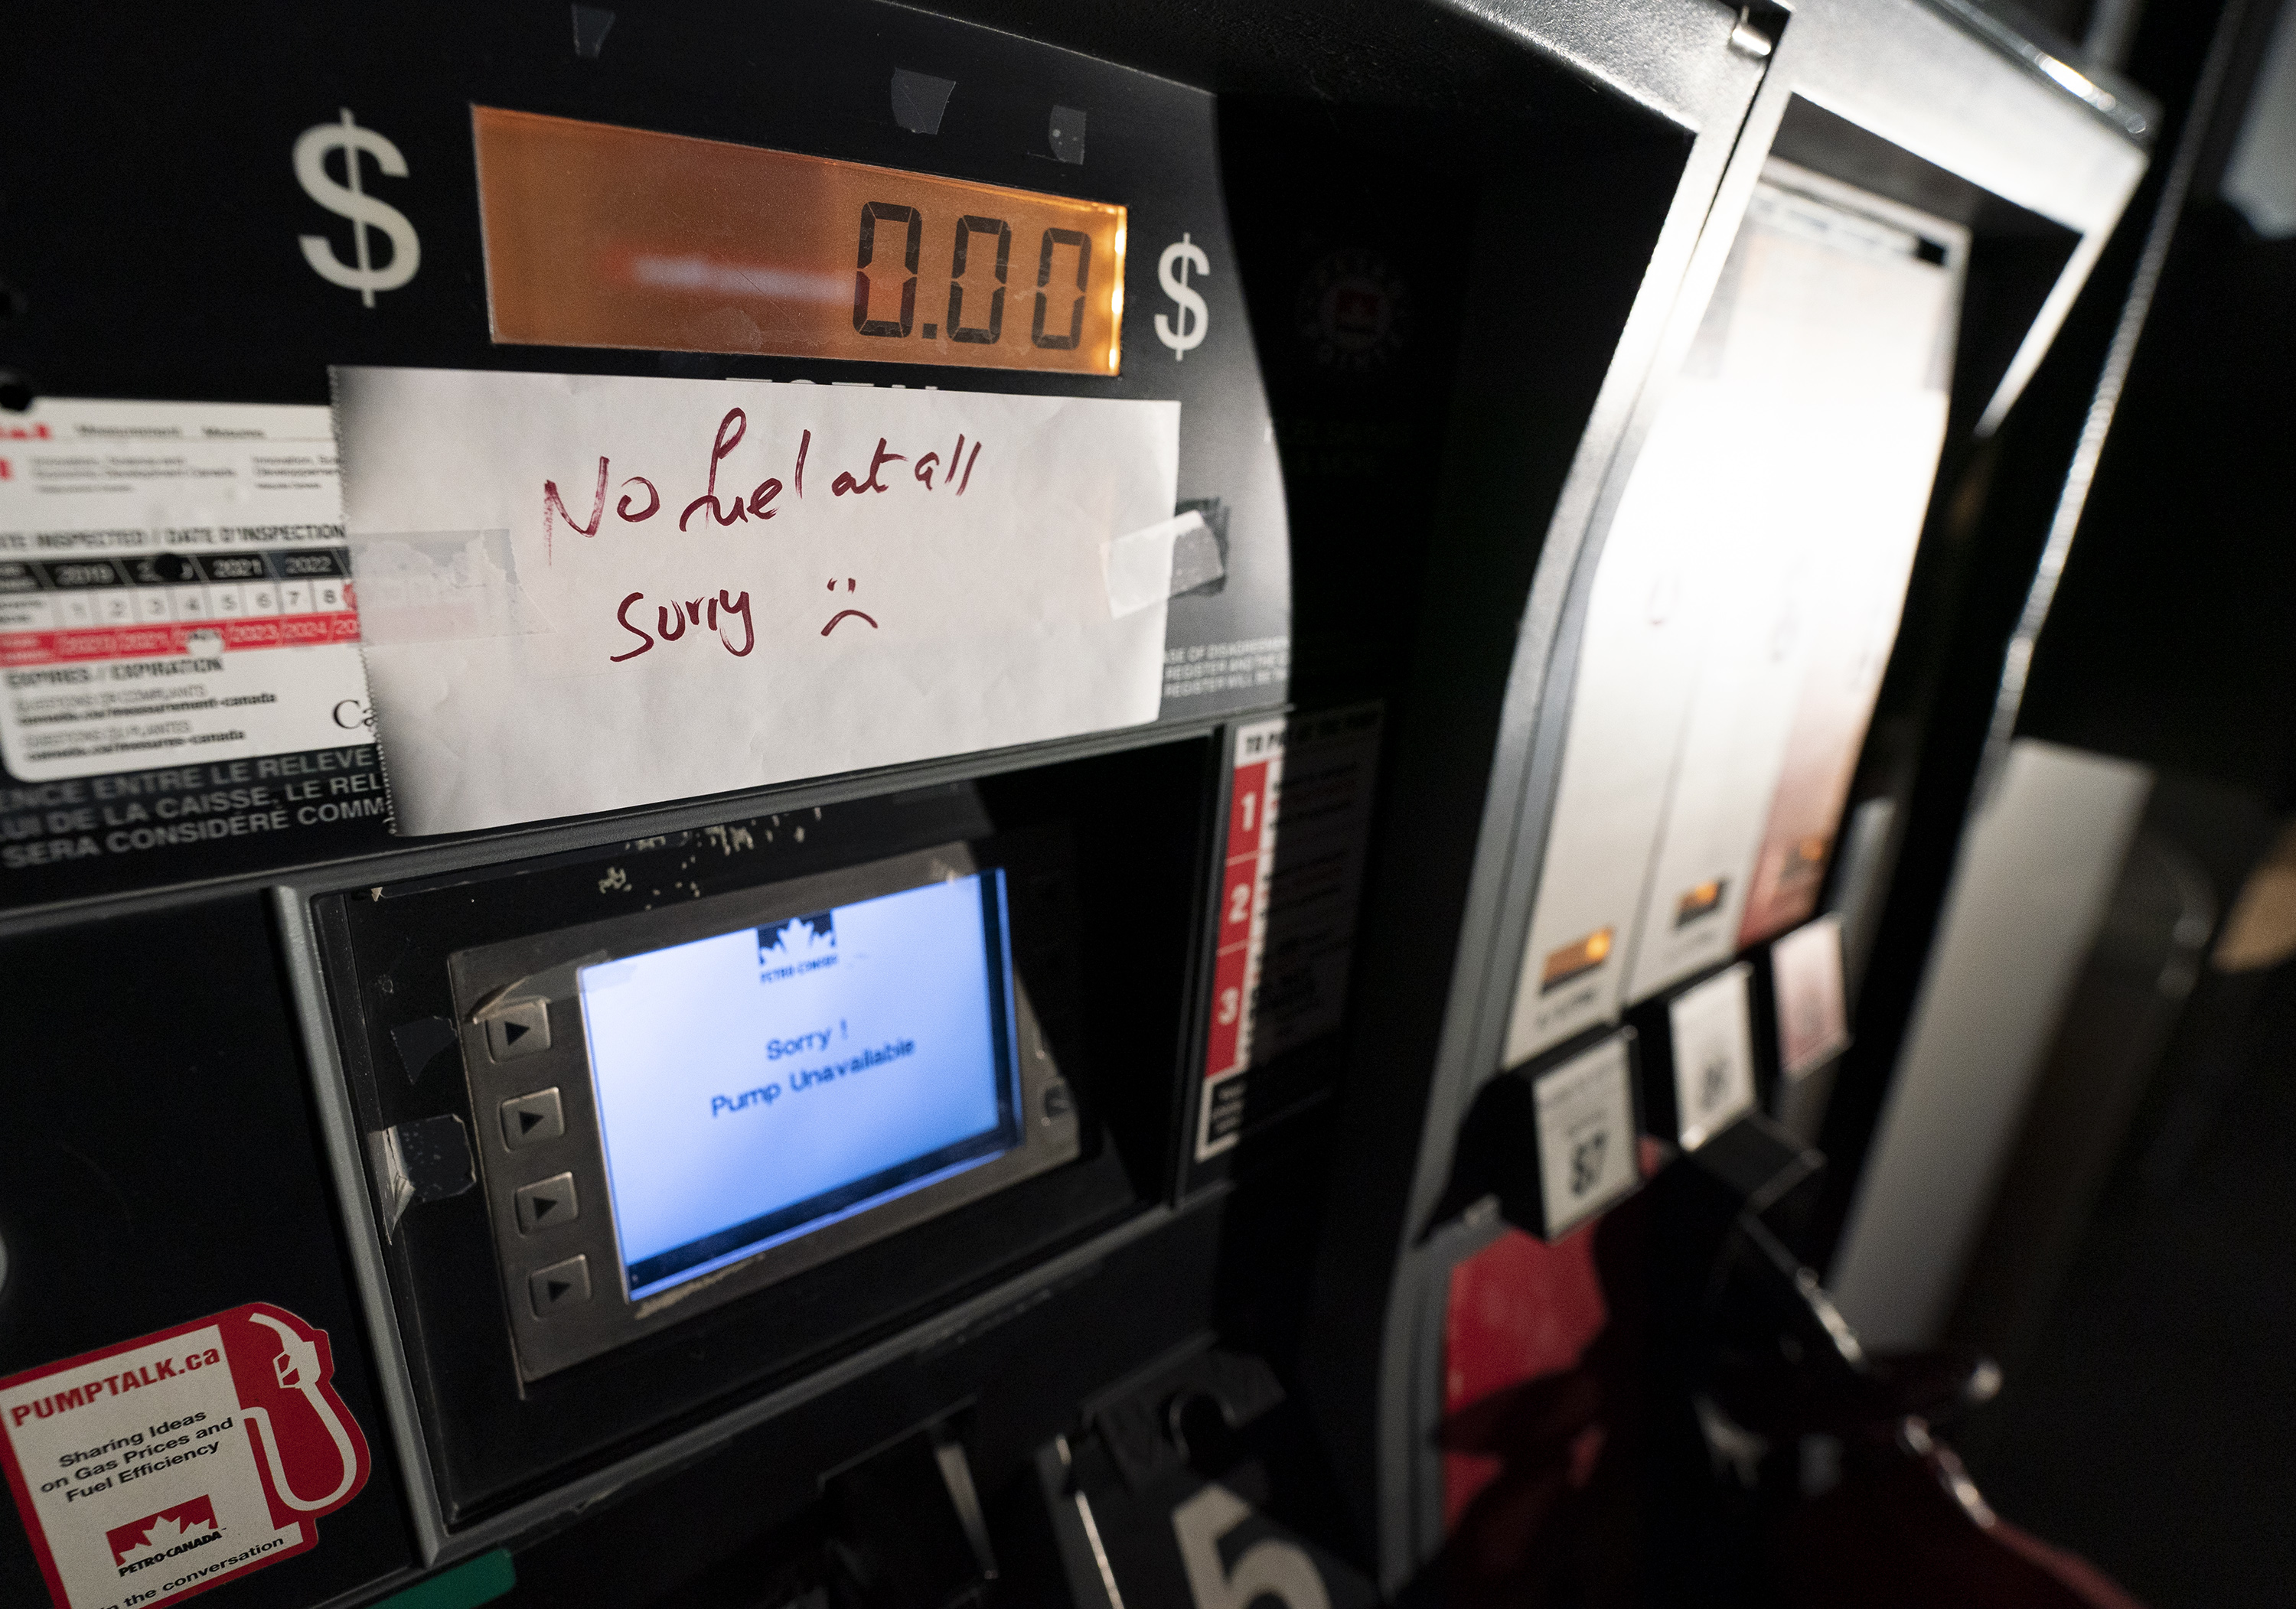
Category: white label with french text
<point>173,590</point>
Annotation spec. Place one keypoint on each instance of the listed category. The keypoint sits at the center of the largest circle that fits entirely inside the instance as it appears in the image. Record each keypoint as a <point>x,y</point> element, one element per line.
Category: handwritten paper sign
<point>581,594</point>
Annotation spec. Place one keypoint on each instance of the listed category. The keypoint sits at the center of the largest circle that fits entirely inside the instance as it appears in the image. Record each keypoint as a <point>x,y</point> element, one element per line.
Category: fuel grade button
<point>561,1287</point>
<point>546,1204</point>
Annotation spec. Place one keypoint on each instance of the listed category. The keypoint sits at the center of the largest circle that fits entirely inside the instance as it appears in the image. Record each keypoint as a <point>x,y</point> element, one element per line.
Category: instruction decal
<point>157,1468</point>
<point>1299,817</point>
<point>173,588</point>
<point>181,691</point>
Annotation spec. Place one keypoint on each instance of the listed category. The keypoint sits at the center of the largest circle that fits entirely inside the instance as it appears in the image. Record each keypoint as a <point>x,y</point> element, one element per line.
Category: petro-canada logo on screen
<point>803,943</point>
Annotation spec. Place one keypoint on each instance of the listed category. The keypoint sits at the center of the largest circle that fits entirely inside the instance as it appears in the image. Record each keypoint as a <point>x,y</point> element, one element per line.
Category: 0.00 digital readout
<point>599,236</point>
<point>882,223</point>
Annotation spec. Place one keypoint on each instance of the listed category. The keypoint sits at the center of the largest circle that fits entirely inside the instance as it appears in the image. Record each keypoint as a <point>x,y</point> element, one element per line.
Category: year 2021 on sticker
<point>161,1466</point>
<point>181,691</point>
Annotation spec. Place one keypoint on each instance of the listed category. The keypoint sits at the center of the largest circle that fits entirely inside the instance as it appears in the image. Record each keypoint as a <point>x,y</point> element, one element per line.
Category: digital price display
<point>599,236</point>
<point>764,1083</point>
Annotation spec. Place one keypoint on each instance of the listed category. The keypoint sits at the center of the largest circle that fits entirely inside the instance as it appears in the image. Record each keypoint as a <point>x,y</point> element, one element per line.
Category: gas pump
<point>1665,893</point>
<point>819,805</point>
<point>694,702</point>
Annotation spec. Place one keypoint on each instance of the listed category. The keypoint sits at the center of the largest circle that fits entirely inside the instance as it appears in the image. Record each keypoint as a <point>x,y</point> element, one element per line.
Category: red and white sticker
<point>1286,924</point>
<point>175,591</point>
<point>1249,865</point>
<point>161,1466</point>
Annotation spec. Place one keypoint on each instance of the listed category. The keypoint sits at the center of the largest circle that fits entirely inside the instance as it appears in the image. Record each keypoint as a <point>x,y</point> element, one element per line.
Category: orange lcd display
<point>599,236</point>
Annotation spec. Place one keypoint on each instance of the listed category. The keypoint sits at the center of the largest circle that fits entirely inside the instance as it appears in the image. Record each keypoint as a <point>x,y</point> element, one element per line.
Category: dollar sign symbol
<point>1173,271</point>
<point>363,209</point>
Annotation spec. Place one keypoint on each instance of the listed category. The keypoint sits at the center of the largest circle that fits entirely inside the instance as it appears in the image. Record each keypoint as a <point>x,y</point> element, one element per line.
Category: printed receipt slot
<point>679,1107</point>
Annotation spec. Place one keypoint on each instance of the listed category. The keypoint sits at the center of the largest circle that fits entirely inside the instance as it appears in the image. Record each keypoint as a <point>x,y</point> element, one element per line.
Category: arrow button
<point>516,1028</point>
<point>560,1286</point>
<point>546,1204</point>
<point>529,1120</point>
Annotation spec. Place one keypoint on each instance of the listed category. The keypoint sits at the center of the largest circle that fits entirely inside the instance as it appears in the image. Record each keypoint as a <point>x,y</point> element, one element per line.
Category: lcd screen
<point>599,236</point>
<point>758,1085</point>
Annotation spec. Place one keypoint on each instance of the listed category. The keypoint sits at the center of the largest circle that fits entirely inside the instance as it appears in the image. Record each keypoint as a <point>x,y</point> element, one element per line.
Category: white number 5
<point>1270,1567</point>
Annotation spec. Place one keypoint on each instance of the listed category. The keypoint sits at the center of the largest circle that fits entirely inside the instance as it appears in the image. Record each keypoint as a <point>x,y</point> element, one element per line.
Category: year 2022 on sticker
<point>179,644</point>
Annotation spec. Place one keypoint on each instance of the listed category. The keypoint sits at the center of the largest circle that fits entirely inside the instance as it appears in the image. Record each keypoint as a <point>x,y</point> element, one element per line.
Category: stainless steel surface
<point>1678,60</point>
<point>339,1136</point>
<point>2127,108</point>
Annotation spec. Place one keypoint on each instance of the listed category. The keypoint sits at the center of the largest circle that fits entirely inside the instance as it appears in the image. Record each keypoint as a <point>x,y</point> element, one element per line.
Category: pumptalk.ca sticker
<point>164,1466</point>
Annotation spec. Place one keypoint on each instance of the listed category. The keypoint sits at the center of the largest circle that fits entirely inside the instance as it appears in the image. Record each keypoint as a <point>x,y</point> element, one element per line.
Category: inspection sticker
<point>157,1468</point>
<point>174,587</point>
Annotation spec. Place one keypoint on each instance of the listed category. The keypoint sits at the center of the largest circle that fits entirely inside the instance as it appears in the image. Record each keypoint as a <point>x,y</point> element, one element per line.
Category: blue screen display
<point>758,1085</point>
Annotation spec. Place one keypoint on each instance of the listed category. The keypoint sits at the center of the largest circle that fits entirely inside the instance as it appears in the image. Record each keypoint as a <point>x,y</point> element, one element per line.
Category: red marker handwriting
<point>672,620</point>
<point>767,489</point>
<point>641,497</point>
<point>845,614</point>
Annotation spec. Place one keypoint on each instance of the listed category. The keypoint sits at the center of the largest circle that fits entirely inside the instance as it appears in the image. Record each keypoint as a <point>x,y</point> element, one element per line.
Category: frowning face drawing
<point>846,614</point>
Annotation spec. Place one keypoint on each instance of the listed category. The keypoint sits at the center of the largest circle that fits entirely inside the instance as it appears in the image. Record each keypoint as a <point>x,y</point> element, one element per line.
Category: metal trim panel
<point>299,950</point>
<point>1912,76</point>
<point>1714,102</point>
<point>1661,57</point>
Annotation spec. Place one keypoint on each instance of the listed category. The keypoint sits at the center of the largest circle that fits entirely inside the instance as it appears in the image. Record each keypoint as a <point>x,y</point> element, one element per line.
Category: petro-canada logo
<point>1353,311</point>
<point>803,943</point>
<point>164,1535</point>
